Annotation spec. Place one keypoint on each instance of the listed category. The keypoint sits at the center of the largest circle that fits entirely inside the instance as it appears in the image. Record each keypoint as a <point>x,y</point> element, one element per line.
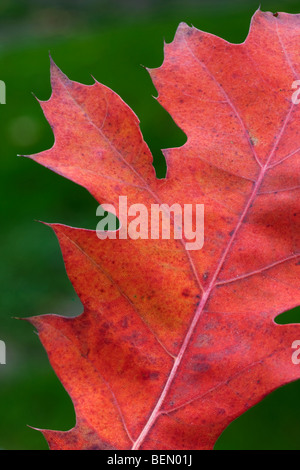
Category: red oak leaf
<point>173,343</point>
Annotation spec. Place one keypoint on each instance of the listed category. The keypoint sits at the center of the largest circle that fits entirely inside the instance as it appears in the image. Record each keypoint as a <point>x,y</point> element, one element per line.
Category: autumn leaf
<point>174,344</point>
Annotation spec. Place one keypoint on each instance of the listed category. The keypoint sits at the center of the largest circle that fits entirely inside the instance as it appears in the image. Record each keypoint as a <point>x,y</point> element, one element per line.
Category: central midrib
<point>157,410</point>
<point>198,312</point>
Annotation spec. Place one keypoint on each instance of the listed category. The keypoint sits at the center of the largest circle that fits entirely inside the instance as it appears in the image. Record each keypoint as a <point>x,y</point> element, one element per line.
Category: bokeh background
<point>108,39</point>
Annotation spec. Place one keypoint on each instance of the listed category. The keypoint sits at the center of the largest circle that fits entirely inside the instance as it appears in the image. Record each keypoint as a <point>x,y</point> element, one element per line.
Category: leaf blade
<point>209,332</point>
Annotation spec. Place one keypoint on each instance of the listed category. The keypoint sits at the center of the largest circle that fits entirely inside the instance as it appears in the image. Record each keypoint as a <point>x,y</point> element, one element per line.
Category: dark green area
<point>108,40</point>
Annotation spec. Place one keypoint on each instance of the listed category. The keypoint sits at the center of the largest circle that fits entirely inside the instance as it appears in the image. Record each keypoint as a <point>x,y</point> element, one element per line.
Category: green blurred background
<point>108,39</point>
